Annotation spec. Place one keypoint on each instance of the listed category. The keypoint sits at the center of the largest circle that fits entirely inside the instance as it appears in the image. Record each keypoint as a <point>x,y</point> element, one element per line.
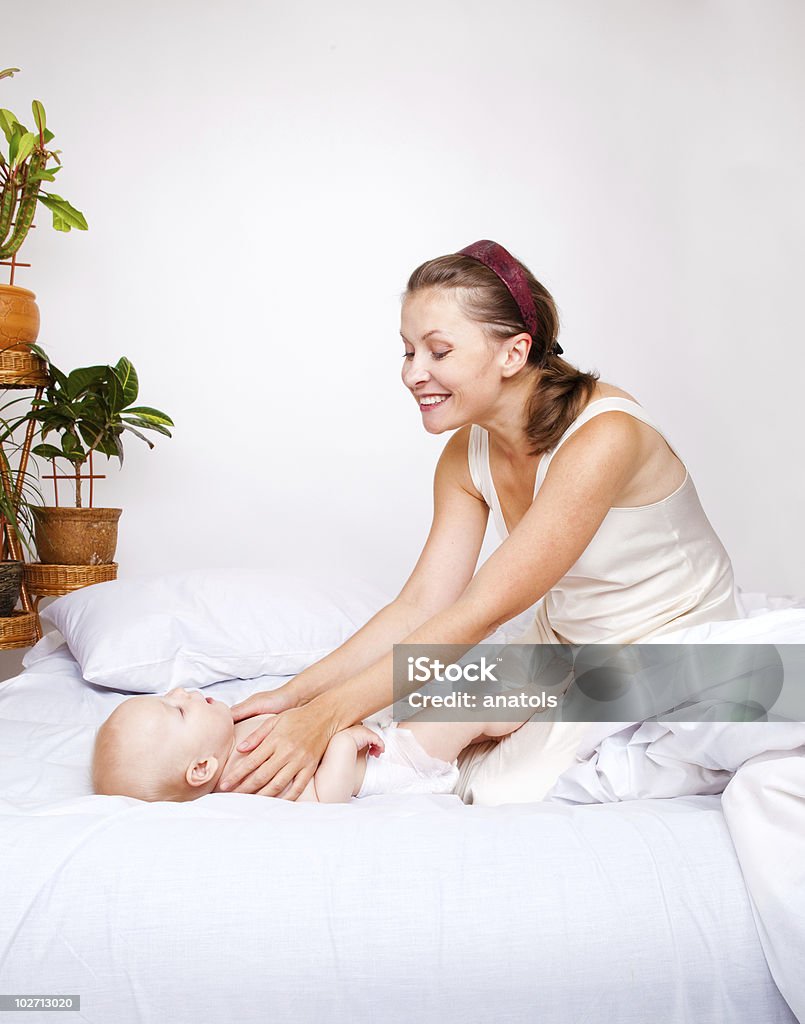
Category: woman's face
<point>451,368</point>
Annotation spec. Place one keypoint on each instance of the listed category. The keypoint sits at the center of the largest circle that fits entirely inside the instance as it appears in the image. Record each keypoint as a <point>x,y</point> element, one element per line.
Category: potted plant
<point>14,517</point>
<point>11,569</point>
<point>89,409</point>
<point>23,168</point>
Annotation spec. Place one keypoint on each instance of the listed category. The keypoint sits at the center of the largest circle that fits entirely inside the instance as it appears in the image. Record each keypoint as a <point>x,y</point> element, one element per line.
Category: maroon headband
<point>502,263</point>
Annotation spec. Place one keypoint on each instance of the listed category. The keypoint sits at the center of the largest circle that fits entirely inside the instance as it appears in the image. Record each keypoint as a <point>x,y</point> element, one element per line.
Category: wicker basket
<point>54,580</point>
<point>18,630</point>
<point>22,370</point>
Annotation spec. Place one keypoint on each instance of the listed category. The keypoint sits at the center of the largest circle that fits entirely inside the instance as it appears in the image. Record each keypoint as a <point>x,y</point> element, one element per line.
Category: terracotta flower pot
<point>76,536</point>
<point>10,583</point>
<point>19,318</point>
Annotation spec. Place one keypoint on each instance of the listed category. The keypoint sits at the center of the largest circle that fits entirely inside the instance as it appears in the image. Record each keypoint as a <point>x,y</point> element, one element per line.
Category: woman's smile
<point>427,403</point>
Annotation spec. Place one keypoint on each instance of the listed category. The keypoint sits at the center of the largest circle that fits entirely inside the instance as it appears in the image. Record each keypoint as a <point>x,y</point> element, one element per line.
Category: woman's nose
<point>414,372</point>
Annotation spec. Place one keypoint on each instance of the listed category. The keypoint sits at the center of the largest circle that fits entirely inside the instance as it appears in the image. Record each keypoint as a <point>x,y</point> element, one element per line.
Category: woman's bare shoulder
<point>615,429</point>
<point>454,463</point>
<point>605,390</point>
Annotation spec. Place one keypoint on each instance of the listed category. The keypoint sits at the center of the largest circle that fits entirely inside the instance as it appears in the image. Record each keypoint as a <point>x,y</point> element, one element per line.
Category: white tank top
<point>648,570</point>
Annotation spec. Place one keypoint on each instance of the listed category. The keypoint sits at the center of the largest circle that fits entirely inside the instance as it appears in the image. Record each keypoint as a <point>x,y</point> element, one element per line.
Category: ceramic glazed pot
<point>10,583</point>
<point>19,318</point>
<point>76,536</point>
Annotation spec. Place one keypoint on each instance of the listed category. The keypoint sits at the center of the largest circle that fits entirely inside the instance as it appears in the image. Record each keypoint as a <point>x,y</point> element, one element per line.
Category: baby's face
<point>186,720</point>
<point>181,740</point>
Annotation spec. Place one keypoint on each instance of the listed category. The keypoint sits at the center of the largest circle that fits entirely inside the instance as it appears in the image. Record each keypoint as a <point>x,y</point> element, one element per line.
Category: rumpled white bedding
<point>760,769</point>
<point>392,908</point>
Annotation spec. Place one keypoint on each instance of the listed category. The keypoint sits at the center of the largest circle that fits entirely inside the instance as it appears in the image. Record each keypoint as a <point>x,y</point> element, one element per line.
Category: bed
<point>391,908</point>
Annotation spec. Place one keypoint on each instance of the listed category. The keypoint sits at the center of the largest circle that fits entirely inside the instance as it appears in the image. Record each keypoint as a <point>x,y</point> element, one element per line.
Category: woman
<point>595,511</point>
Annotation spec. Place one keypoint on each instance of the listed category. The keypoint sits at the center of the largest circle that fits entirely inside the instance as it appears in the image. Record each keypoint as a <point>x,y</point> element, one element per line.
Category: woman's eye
<point>408,355</point>
<point>439,355</point>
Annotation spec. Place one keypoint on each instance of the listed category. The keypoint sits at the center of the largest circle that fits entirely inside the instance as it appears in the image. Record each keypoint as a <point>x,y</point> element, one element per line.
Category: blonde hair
<point>118,771</point>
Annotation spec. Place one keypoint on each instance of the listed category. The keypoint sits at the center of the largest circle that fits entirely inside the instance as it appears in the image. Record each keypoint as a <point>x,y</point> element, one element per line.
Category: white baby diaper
<point>404,767</point>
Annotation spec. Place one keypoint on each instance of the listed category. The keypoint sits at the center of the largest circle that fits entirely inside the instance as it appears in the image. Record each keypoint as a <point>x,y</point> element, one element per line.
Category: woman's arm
<point>442,572</point>
<point>585,476</point>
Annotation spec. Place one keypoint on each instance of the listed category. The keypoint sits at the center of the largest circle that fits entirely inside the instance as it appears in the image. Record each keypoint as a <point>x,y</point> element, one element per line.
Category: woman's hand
<point>267,702</point>
<point>285,752</point>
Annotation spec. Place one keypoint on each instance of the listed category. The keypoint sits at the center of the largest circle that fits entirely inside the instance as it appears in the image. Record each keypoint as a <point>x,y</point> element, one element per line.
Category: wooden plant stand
<point>19,371</point>
<point>54,580</point>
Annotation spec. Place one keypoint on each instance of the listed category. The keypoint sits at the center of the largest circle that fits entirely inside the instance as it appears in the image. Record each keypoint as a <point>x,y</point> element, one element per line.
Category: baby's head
<point>171,747</point>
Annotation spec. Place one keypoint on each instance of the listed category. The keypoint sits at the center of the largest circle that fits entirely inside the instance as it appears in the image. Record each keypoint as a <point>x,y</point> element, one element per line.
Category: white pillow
<point>149,633</point>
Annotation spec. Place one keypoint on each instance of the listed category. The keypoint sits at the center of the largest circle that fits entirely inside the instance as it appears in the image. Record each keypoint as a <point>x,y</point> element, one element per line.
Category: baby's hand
<point>366,737</point>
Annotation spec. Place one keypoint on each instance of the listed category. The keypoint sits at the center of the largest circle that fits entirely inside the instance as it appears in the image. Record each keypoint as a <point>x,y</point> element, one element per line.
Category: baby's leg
<point>446,740</point>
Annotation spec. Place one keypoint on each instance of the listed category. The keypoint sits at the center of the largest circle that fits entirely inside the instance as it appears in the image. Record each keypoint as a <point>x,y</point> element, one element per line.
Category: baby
<point>177,746</point>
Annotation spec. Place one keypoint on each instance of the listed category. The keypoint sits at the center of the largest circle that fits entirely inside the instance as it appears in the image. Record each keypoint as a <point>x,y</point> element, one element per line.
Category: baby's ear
<point>202,772</point>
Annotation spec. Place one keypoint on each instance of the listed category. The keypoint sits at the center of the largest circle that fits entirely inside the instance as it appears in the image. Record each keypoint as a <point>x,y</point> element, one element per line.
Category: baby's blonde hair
<point>122,767</point>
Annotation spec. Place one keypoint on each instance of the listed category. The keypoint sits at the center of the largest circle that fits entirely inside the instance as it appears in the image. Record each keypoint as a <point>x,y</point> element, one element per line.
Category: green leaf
<point>117,397</point>
<point>145,412</point>
<point>8,73</point>
<point>58,378</point>
<point>148,426</point>
<point>14,144</point>
<point>65,216</point>
<point>112,447</point>
<point>69,443</point>
<point>45,174</point>
<point>39,351</point>
<point>57,375</point>
<point>39,115</point>
<point>7,122</point>
<point>91,432</point>
<point>60,415</point>
<point>47,451</point>
<point>127,375</point>
<point>50,423</point>
<point>141,436</point>
<point>25,148</point>
<point>48,135</point>
<point>84,377</point>
<point>90,408</point>
<point>106,446</point>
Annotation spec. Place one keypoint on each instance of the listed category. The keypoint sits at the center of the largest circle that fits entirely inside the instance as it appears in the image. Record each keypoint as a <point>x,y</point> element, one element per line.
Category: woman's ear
<point>201,772</point>
<point>516,354</point>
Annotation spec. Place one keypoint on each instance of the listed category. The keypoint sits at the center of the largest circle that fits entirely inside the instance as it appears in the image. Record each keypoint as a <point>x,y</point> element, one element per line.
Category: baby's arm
<point>335,778</point>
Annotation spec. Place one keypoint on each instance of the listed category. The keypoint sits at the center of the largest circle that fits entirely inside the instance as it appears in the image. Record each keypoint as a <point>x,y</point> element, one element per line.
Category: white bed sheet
<point>392,908</point>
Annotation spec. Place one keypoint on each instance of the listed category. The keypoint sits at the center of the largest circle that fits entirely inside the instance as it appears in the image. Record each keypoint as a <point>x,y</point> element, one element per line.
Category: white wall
<point>261,178</point>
